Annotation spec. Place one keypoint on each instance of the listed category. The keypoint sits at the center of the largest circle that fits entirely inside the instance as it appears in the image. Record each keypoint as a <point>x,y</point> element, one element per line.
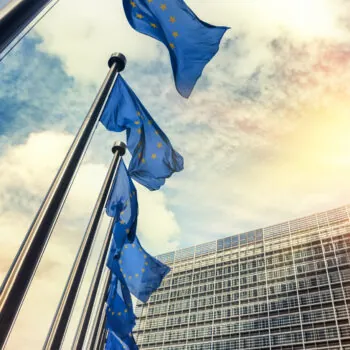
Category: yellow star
<point>150,1</point>
<point>130,277</point>
<point>139,155</point>
<point>145,256</point>
<point>124,275</point>
<point>121,261</point>
<point>136,275</point>
<point>159,145</point>
<point>113,313</point>
<point>172,19</point>
<point>143,270</point>
<point>127,202</point>
<point>154,156</point>
<point>126,310</point>
<point>138,113</point>
<point>132,3</point>
<point>143,160</point>
<point>122,212</point>
<point>163,7</point>
<point>138,15</point>
<point>121,269</point>
<point>109,309</point>
<point>146,263</point>
<point>140,249</point>
<point>133,245</point>
<point>119,313</point>
<point>139,130</point>
<point>156,132</point>
<point>137,122</point>
<point>153,25</point>
<point>126,246</point>
<point>172,46</point>
<point>175,34</point>
<point>127,230</point>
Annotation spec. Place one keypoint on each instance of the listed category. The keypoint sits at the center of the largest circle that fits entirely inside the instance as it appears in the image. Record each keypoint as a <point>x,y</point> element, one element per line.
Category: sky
<point>264,134</point>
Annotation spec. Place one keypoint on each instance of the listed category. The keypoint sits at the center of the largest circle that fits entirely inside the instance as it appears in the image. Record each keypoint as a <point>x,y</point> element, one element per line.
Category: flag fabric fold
<point>191,42</point>
<point>115,343</point>
<point>142,272</point>
<point>153,157</point>
<point>120,316</point>
<point>122,205</point>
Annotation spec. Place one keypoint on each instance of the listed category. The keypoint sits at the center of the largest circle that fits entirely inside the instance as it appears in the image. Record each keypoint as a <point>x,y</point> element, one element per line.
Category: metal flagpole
<point>98,324</point>
<point>60,322</point>
<point>22,270</point>
<point>90,300</point>
<point>15,16</point>
<point>102,339</point>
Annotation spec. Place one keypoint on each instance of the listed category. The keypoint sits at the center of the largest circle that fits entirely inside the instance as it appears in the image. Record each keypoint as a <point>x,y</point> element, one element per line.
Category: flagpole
<point>102,339</point>
<point>61,319</point>
<point>99,320</point>
<point>80,334</point>
<point>22,270</point>
<point>15,16</point>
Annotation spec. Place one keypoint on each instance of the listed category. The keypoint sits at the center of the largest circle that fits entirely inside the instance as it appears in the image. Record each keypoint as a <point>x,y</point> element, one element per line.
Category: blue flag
<point>191,42</point>
<point>113,257</point>
<point>122,205</point>
<point>120,317</point>
<point>153,157</point>
<point>115,343</point>
<point>142,272</point>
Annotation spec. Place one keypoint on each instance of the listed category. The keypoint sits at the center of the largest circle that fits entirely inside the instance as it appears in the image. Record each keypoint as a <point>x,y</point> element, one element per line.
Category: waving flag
<point>191,42</point>
<point>122,205</point>
<point>153,157</point>
<point>142,272</point>
<point>120,317</point>
<point>115,343</point>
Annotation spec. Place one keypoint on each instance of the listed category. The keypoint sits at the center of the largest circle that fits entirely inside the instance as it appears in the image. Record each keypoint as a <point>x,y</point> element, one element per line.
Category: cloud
<point>158,227</point>
<point>84,34</point>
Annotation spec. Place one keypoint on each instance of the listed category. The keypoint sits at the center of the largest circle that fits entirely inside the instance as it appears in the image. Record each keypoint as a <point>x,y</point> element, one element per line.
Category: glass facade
<point>285,286</point>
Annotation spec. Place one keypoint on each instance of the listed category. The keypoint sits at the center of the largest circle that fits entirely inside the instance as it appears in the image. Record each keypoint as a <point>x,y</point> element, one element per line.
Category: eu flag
<point>120,317</point>
<point>113,258</point>
<point>142,272</point>
<point>115,343</point>
<point>191,42</point>
<point>122,205</point>
<point>153,157</point>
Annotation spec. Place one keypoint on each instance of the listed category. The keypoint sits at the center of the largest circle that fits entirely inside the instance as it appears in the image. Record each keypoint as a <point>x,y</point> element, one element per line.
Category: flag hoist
<point>22,270</point>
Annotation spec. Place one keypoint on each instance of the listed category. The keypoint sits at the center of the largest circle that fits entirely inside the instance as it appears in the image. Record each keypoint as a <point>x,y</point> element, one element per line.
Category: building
<point>285,286</point>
